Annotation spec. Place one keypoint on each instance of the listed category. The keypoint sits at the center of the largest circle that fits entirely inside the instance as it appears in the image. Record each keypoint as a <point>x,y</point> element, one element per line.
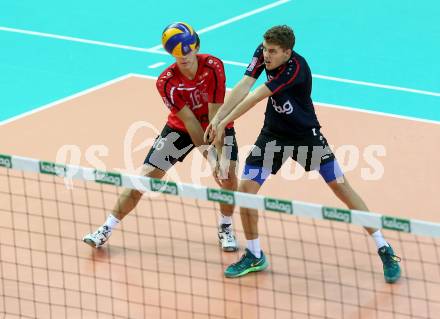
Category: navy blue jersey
<point>289,111</point>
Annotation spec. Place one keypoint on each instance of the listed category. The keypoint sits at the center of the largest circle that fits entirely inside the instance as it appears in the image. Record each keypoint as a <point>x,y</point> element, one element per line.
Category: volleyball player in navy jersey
<point>291,129</point>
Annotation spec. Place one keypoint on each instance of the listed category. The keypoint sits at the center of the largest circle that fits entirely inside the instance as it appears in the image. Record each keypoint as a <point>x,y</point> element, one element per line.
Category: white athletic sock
<point>378,238</point>
<point>111,221</point>
<point>254,246</point>
<point>225,220</point>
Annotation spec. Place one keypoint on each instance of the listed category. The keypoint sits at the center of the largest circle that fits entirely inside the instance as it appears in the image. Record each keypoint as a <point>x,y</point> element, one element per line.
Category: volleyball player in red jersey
<point>193,89</point>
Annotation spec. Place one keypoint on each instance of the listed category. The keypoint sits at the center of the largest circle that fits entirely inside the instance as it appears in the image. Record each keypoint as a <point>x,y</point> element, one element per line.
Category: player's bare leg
<point>226,235</point>
<point>126,202</point>
<point>348,195</point>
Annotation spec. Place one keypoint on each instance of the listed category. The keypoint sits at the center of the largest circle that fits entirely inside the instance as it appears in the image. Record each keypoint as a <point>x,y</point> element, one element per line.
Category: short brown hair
<point>281,35</point>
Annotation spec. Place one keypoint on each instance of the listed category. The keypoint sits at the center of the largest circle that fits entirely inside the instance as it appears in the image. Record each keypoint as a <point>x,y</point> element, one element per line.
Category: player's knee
<point>249,186</point>
<point>342,188</point>
<point>152,172</point>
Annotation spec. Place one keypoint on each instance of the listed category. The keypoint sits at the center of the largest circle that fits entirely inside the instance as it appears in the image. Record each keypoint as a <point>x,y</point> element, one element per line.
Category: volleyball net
<point>164,261</point>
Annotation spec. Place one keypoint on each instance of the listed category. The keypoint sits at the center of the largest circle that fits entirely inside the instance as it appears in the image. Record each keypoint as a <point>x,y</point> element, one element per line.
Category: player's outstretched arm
<point>238,93</point>
<point>251,100</point>
<point>195,131</point>
<point>192,125</point>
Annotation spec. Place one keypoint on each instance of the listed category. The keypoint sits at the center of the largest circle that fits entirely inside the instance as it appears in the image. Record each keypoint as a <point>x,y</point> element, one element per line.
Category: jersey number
<point>195,99</point>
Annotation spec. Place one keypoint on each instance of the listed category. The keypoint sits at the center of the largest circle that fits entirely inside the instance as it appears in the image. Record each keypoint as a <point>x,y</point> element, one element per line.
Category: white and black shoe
<point>99,237</point>
<point>226,238</point>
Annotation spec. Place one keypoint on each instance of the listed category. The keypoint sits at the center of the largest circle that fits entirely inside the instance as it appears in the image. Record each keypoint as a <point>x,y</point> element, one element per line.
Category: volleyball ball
<point>179,38</point>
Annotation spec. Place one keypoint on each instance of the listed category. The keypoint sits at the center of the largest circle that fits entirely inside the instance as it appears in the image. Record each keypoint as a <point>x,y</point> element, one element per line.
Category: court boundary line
<point>234,19</point>
<point>234,63</point>
<point>150,77</point>
<point>336,106</point>
<point>352,108</point>
<point>65,99</point>
<point>80,40</point>
<point>355,82</point>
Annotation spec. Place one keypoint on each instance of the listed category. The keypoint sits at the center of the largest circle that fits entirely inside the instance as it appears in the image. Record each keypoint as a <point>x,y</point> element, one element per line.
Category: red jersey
<point>208,86</point>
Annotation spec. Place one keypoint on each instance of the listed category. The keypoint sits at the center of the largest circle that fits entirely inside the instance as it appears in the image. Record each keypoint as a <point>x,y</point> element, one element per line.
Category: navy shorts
<point>172,146</point>
<point>271,151</point>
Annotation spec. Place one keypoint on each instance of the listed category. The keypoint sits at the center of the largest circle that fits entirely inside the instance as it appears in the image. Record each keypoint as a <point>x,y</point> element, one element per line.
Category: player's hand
<point>215,174</point>
<point>210,131</point>
<point>217,140</point>
<point>211,156</point>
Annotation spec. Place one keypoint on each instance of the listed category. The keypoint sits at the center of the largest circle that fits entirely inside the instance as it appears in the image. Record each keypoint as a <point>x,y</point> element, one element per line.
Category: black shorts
<point>173,145</point>
<point>271,151</point>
